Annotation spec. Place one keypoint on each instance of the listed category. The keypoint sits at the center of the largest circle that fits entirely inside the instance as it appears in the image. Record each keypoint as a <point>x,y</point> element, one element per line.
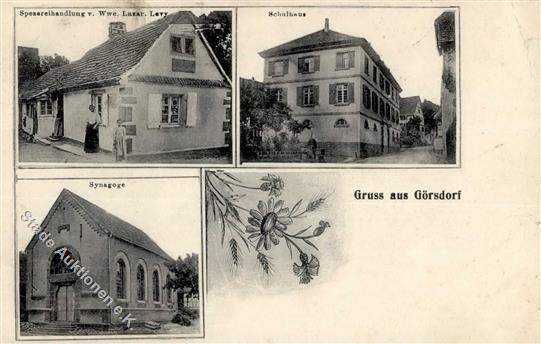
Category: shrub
<point>181,319</point>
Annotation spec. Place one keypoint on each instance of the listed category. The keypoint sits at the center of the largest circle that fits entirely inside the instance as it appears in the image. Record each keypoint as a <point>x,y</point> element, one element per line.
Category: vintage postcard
<point>362,86</point>
<point>147,86</point>
<point>270,172</point>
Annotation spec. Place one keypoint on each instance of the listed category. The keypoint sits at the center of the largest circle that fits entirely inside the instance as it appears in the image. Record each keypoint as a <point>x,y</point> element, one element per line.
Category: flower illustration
<point>272,183</point>
<point>268,223</point>
<point>306,270</point>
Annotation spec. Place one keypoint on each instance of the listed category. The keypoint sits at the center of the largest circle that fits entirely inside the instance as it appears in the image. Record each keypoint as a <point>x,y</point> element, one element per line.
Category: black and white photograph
<point>124,85</point>
<point>360,85</point>
<point>96,258</point>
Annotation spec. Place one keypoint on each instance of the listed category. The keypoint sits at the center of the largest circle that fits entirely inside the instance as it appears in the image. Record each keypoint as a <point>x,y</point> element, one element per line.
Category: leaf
<point>302,231</point>
<point>234,250</point>
<point>265,263</point>
<point>239,232</point>
<point>289,246</point>
<point>295,207</point>
<point>231,176</point>
<point>310,243</point>
<point>223,231</point>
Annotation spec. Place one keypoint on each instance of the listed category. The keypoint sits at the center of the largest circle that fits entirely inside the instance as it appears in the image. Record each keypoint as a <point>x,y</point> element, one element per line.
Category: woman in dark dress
<point>92,135</point>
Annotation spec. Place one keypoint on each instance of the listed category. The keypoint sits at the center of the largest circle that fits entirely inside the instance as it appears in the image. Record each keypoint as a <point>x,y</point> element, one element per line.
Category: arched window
<point>141,283</point>
<point>120,279</point>
<point>58,266</point>
<point>366,125</point>
<point>155,286</point>
<point>169,290</point>
<point>341,123</point>
<point>375,127</point>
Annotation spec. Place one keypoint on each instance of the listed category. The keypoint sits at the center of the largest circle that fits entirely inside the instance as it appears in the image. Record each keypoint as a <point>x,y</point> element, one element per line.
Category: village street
<point>36,152</point>
<point>414,155</point>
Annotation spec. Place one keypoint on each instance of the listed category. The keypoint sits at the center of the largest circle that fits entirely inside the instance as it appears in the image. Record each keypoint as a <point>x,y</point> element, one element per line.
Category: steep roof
<point>409,104</point>
<point>112,224</point>
<point>328,39</point>
<point>106,63</point>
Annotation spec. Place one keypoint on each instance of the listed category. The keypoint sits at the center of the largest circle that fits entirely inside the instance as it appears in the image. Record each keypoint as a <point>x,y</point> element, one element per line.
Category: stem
<point>240,185</point>
<point>293,243</point>
<point>295,236</point>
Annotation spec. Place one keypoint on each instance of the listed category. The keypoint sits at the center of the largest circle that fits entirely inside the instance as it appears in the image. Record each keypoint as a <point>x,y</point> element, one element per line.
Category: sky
<point>167,210</point>
<point>73,36</point>
<point>403,37</point>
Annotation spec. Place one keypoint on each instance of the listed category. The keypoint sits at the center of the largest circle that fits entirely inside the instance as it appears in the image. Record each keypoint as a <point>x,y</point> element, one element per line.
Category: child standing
<point>119,142</point>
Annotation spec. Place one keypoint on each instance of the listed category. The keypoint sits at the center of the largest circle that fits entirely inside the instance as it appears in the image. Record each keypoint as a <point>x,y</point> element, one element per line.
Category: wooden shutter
<point>351,59</point>
<point>286,66</point>
<point>105,109</point>
<point>154,110</point>
<point>300,65</point>
<point>339,61</point>
<point>351,92</point>
<point>332,94</point>
<point>284,95</point>
<point>316,63</point>
<point>191,116</point>
<point>299,96</point>
<point>316,95</point>
<point>270,71</point>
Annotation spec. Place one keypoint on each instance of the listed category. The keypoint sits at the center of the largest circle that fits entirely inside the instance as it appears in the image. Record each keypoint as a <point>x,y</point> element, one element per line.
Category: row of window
<point>379,79</point>
<point>339,94</point>
<point>310,64</point>
<point>122,283</point>
<point>371,100</point>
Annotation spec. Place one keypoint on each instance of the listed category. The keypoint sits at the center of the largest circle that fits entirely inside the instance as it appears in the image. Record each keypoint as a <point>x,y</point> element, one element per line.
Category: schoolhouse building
<point>117,265</point>
<point>341,87</point>
<point>162,81</point>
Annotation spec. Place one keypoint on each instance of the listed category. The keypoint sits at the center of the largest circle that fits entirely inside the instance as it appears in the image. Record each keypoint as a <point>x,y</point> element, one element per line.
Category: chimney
<point>116,29</point>
<point>326,25</point>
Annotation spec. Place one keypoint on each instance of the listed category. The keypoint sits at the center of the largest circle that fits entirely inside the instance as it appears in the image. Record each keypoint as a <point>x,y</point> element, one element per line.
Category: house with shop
<point>162,81</point>
<point>123,261</point>
<point>445,140</point>
<point>341,88</point>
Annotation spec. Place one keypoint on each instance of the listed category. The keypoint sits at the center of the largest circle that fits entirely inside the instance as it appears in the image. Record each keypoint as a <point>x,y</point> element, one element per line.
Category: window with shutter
<point>341,94</point>
<point>351,93</point>
<point>374,102</point>
<point>366,97</point>
<point>332,94</point>
<point>191,113</point>
<point>308,96</point>
<point>366,66</point>
<point>345,60</point>
<point>308,64</point>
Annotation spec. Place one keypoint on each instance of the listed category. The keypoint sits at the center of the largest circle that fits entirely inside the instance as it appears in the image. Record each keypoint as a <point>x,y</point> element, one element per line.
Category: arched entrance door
<point>62,288</point>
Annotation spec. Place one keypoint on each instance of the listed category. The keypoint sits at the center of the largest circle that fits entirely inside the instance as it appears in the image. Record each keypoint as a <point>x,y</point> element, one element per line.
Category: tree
<point>217,31</point>
<point>258,106</point>
<point>186,277</point>
<point>429,109</point>
<point>410,133</point>
<point>46,62</point>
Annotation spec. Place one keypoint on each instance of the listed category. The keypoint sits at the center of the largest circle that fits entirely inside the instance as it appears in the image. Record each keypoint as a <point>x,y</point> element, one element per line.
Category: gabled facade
<point>124,263</point>
<point>161,80</point>
<point>340,85</point>
<point>411,107</point>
